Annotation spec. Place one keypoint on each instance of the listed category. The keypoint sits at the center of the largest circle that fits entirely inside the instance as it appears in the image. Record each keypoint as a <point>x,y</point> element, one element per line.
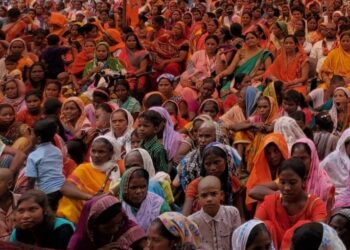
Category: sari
<point>80,61</point>
<point>14,30</point>
<point>318,182</point>
<point>59,21</point>
<point>83,238</point>
<point>340,126</point>
<point>82,122</point>
<point>337,164</point>
<point>17,103</point>
<point>151,207</point>
<point>337,62</point>
<point>288,72</point>
<point>27,59</point>
<point>261,170</point>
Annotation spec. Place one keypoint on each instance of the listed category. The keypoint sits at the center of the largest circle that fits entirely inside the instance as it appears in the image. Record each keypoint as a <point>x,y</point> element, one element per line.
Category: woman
<point>37,77</point>
<point>121,128</point>
<point>340,221</point>
<point>170,51</point>
<point>14,93</point>
<point>279,33</point>
<point>251,60</point>
<point>172,231</point>
<point>247,22</point>
<point>252,235</point>
<point>73,117</point>
<point>338,60</point>
<point>283,211</point>
<point>18,47</point>
<point>340,110</point>
<point>337,164</point>
<point>103,223</point>
<point>124,99</point>
<point>140,205</point>
<point>272,152</point>
<point>291,66</point>
<point>210,27</point>
<point>53,90</point>
<point>313,34</point>
<point>200,66</point>
<point>136,60</point>
<point>91,178</point>
<point>37,225</point>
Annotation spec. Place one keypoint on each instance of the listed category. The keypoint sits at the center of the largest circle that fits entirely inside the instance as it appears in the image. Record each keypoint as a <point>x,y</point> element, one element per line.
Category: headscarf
<point>333,111</point>
<point>317,182</point>
<point>169,77</point>
<point>251,96</point>
<point>290,129</point>
<point>182,26</point>
<point>330,239</point>
<point>25,51</point>
<point>59,20</point>
<point>181,227</point>
<point>241,235</point>
<point>337,164</point>
<point>213,101</point>
<point>18,103</point>
<point>171,138</point>
<point>82,121</point>
<point>146,159</point>
<point>124,139</point>
<point>261,169</point>
<point>283,27</point>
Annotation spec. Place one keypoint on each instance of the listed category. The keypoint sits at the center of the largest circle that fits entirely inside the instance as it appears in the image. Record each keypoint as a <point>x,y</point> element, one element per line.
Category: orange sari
<point>13,30</point>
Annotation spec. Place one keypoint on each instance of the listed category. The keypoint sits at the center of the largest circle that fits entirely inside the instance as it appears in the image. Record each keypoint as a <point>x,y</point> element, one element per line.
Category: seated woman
<point>337,61</point>
<point>89,179</point>
<point>121,123</point>
<point>221,161</point>
<point>14,93</point>
<point>253,234</point>
<point>291,66</point>
<point>272,152</point>
<point>37,225</point>
<point>36,77</point>
<point>337,163</point>
<point>171,50</point>
<point>340,110</point>
<point>209,28</point>
<point>340,221</point>
<point>53,90</point>
<point>136,60</point>
<point>172,230</point>
<point>212,108</point>
<point>251,60</point>
<point>33,111</point>
<point>140,206</point>
<point>278,34</point>
<point>103,224</point>
<point>73,117</point>
<point>283,211</point>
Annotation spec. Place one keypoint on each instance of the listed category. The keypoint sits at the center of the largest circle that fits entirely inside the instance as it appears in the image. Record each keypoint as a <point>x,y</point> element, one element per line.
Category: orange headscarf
<point>60,21</point>
<point>116,36</point>
<point>261,170</point>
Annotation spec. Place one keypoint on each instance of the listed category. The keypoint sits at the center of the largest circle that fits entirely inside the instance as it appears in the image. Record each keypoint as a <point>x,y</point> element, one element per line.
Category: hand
<point>95,70</point>
<point>217,78</point>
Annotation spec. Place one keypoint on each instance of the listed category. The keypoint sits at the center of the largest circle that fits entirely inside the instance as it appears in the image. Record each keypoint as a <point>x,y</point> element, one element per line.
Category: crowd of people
<point>175,124</point>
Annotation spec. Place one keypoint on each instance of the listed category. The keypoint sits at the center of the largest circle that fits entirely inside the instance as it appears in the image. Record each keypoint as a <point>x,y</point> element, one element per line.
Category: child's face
<point>289,106</point>
<point>135,141</point>
<point>102,119</point>
<point>206,90</point>
<point>29,214</point>
<point>33,104</point>
<point>52,90</point>
<point>146,129</point>
<point>210,198</point>
<point>119,123</point>
<point>210,109</point>
<point>10,66</point>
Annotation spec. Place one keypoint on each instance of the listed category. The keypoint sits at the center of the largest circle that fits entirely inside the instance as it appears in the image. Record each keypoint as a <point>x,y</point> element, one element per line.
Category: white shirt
<point>317,53</point>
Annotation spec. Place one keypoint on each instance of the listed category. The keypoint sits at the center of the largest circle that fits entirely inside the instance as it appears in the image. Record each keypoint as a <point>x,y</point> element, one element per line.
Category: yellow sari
<point>88,180</point>
<point>337,63</point>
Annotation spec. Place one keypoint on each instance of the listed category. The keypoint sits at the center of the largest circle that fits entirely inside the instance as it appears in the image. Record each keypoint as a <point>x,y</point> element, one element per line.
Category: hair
<point>308,236</point>
<point>131,34</point>
<point>214,37</point>
<point>153,117</point>
<point>209,80</point>
<point>262,97</point>
<point>124,83</point>
<point>134,133</point>
<point>89,27</point>
<point>55,82</point>
<point>12,58</point>
<point>301,144</point>
<point>337,79</point>
<point>173,104</point>
<point>324,121</point>
<point>108,144</point>
<point>33,93</point>
<point>158,20</point>
<point>236,29</point>
<point>212,16</point>
<point>45,129</point>
<point>297,8</point>
<point>294,96</point>
<point>53,39</point>
<point>345,33</point>
<point>293,38</point>
<point>239,79</point>
<point>226,31</point>
<point>247,13</point>
<point>153,100</point>
<point>108,214</point>
<point>343,216</point>
<point>105,107</point>
<point>43,82</point>
<point>252,33</point>
<point>216,106</point>
<point>299,33</point>
<point>5,105</point>
<point>123,112</point>
<point>77,150</point>
<point>164,232</point>
<point>255,232</point>
<point>104,93</point>
<point>13,13</point>
<point>294,164</point>
<point>140,173</point>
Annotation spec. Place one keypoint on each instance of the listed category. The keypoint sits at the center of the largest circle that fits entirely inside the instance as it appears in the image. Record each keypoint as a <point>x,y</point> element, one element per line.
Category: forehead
<point>133,156</point>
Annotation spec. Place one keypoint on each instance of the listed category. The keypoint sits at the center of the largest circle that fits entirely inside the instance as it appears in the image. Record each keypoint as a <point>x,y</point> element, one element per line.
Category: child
<point>52,56</point>
<point>216,222</point>
<point>68,87</point>
<point>135,139</point>
<point>11,63</point>
<point>33,111</point>
<point>300,118</point>
<point>149,124</point>
<point>293,101</point>
<point>45,163</point>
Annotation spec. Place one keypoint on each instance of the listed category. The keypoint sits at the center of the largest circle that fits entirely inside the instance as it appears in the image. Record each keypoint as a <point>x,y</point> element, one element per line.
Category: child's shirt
<point>157,152</point>
<point>45,164</point>
<point>53,58</point>
<point>216,232</point>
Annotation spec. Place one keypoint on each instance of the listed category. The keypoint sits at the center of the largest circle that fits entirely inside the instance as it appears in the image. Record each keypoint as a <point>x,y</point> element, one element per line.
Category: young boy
<point>149,124</point>
<point>215,222</point>
<point>45,163</point>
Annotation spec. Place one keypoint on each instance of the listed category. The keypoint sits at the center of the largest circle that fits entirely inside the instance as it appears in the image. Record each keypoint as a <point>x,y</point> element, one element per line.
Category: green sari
<point>246,68</point>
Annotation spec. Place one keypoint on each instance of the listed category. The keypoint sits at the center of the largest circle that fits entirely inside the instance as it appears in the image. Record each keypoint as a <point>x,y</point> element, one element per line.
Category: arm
<point>18,158</point>
<point>187,208</point>
<point>182,57</point>
<point>242,126</point>
<point>231,67</point>
<point>260,191</point>
<point>143,67</point>
<point>303,78</point>
<point>70,190</point>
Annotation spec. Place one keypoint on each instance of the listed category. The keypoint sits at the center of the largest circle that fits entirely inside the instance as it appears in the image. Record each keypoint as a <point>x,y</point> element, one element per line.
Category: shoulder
<point>230,210</point>
<point>196,216</point>
<point>59,222</point>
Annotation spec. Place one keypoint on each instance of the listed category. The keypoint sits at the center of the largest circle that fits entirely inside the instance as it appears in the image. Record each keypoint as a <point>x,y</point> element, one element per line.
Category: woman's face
<point>263,108</point>
<point>17,48</point>
<point>257,14</point>
<point>7,116</point>
<point>29,214</point>
<point>155,240</point>
<point>11,90</point>
<point>262,241</point>
<point>290,184</point>
<point>101,53</point>
<point>345,42</point>
<point>52,90</point>
<point>251,40</point>
<point>211,27</point>
<point>206,135</point>
<point>299,25</point>
<point>211,46</point>
<point>74,30</point>
<point>273,156</point>
<point>33,103</point>
<point>289,45</point>
<point>100,153</point>
<point>246,19</point>
<point>177,31</point>
<point>210,108</point>
<point>270,12</point>
<point>112,226</point>
<point>206,90</point>
<point>312,25</point>
<point>214,165</point>
<point>339,98</point>
<point>71,111</point>
<point>121,92</point>
<point>37,74</point>
<point>276,30</point>
<point>289,106</point>
<point>187,19</point>
<point>176,16</point>
<point>165,87</point>
<point>119,123</point>
<point>131,42</point>
<point>301,153</point>
<point>137,190</point>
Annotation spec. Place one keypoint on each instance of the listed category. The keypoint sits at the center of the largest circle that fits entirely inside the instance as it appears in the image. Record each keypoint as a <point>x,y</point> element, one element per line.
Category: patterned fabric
<point>157,153</point>
<point>180,226</point>
<point>330,239</point>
